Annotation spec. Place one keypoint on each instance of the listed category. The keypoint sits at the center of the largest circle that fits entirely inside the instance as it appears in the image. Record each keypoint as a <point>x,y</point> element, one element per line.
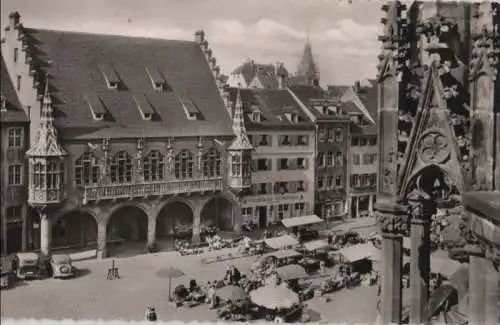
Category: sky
<point>343,35</point>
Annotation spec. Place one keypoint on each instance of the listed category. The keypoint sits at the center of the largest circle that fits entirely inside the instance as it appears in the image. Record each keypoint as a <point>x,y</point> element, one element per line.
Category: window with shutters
<point>329,182</point>
<point>367,159</point>
<point>263,164</point>
<point>285,140</point>
<point>247,213</point>
<point>281,187</point>
<point>355,159</point>
<point>302,140</point>
<point>339,135</point>
<point>321,159</point>
<point>331,134</point>
<point>264,140</point>
<point>301,163</point>
<point>121,168</point>
<point>301,186</point>
<point>321,182</point>
<point>329,159</point>
<point>300,209</point>
<point>339,181</point>
<point>154,167</point>
<point>282,209</point>
<point>339,159</point>
<point>372,141</point>
<point>322,135</point>
<point>283,163</point>
<point>15,173</point>
<point>15,138</point>
<point>212,163</point>
<point>362,142</point>
<point>356,180</point>
<point>355,142</point>
<point>86,169</point>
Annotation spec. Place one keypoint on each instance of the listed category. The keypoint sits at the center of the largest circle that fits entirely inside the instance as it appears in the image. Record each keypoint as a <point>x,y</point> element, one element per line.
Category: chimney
<point>199,36</point>
<point>14,19</point>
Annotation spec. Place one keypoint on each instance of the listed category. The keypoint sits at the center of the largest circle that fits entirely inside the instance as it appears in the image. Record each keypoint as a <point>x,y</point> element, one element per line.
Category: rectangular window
<point>362,142</point>
<point>367,157</point>
<point>15,174</point>
<point>263,164</point>
<point>322,135</point>
<point>300,209</point>
<point>329,159</point>
<point>264,140</point>
<point>329,182</point>
<point>321,182</point>
<point>15,138</point>
<point>302,140</point>
<point>355,142</point>
<point>16,53</point>
<point>373,141</point>
<point>283,164</point>
<point>301,163</point>
<point>339,135</point>
<point>339,159</point>
<point>14,213</point>
<point>18,84</point>
<point>355,159</point>
<point>355,180</point>
<point>331,134</point>
<point>246,213</point>
<point>301,186</point>
<point>321,159</point>
<point>285,140</point>
<point>281,187</point>
<point>339,181</point>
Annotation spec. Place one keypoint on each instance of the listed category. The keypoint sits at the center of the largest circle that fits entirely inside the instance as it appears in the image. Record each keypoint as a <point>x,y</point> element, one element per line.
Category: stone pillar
<point>196,226</point>
<point>393,223</point>
<point>477,289</point>
<point>4,234</point>
<point>357,206</point>
<point>420,212</point>
<point>45,233</point>
<point>236,210</point>
<point>349,206</point>
<point>151,230</point>
<point>370,205</point>
<point>492,292</point>
<point>101,239</point>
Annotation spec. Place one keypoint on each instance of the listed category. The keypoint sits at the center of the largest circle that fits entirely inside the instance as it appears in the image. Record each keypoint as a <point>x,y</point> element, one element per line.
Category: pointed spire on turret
<point>46,143</point>
<point>241,142</point>
<point>308,72</point>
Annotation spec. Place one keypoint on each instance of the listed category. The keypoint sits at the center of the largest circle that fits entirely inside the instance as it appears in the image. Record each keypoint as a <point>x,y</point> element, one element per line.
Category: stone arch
<point>175,218</point>
<point>435,181</point>
<point>74,228</point>
<point>127,222</point>
<point>218,212</point>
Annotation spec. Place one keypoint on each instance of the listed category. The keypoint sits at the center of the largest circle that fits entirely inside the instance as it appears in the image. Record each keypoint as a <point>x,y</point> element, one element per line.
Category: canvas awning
<point>315,244</point>
<point>284,254</point>
<point>301,221</point>
<point>291,272</point>
<point>281,241</point>
<point>446,267</point>
<point>358,252</point>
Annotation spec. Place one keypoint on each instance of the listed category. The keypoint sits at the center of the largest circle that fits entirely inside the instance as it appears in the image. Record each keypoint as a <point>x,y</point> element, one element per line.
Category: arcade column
<point>151,230</point>
<point>101,240</point>
<point>393,221</point>
<point>45,232</point>
<point>196,225</point>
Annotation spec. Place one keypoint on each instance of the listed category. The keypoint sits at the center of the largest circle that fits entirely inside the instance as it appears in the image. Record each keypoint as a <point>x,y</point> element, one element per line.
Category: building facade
<point>14,143</point>
<point>135,149</point>
<point>256,75</point>
<point>283,156</point>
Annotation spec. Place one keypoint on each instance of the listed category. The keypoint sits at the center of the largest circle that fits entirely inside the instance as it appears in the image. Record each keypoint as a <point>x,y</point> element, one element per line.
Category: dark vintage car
<point>61,266</point>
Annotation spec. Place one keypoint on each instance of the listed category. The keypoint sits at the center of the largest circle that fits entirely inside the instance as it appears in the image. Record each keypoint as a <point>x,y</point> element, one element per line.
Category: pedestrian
<point>151,314</point>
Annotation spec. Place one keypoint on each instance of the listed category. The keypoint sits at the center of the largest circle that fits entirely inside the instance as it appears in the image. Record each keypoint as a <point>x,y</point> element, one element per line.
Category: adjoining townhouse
<point>257,75</point>
<point>331,163</point>
<point>130,138</point>
<point>363,148</point>
<point>283,158</point>
<point>14,143</point>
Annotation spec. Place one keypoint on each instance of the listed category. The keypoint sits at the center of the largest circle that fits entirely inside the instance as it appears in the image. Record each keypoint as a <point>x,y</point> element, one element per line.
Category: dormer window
<point>96,107</point>
<point>144,107</point>
<point>156,78</point>
<point>112,79</point>
<point>190,108</point>
<point>292,117</point>
<point>255,116</point>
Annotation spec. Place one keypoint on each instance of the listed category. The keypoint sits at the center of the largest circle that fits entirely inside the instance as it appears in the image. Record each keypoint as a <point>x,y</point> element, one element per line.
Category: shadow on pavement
<point>81,272</point>
<point>312,315</point>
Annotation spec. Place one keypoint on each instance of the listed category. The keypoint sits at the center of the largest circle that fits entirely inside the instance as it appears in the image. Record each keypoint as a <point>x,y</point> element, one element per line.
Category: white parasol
<point>274,296</point>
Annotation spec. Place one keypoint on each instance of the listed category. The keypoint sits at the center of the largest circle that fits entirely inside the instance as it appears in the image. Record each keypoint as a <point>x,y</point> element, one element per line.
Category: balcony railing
<point>45,196</point>
<point>117,191</point>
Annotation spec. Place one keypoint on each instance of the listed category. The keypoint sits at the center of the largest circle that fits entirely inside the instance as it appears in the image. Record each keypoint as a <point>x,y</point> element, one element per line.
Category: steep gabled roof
<point>74,59</point>
<point>14,112</point>
<point>369,97</point>
<point>273,105</point>
<point>250,69</point>
<point>336,90</point>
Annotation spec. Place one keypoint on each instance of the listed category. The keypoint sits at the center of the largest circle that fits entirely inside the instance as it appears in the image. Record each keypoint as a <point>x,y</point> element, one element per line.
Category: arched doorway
<point>74,229</point>
<point>218,212</point>
<point>175,219</point>
<point>128,223</point>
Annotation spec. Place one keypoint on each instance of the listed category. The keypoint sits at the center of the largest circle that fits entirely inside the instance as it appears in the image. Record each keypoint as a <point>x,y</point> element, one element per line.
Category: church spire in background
<point>308,71</point>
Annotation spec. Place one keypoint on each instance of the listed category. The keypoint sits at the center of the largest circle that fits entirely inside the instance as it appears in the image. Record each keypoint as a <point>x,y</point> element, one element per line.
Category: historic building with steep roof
<point>14,143</point>
<point>283,158</point>
<point>129,138</point>
<point>257,75</point>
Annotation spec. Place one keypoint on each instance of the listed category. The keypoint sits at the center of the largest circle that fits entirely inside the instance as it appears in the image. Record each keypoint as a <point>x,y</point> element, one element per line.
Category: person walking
<point>151,314</point>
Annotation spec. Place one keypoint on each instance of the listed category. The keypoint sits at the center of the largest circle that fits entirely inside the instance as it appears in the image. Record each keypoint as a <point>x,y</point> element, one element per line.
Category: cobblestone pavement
<point>91,296</point>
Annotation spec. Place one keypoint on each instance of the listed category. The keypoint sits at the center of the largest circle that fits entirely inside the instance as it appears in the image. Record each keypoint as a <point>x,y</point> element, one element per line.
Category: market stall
<point>291,272</point>
<point>300,226</point>
<point>281,242</point>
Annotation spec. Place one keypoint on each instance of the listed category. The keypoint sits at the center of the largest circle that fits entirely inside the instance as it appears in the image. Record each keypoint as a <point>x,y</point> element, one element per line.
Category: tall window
<point>212,163</point>
<point>18,85</point>
<point>339,135</point>
<point>184,164</point>
<point>236,165</point>
<point>15,174</point>
<point>247,213</point>
<point>15,137</point>
<point>300,208</point>
<point>121,168</point>
<point>355,159</point>
<point>86,169</point>
<point>55,175</point>
<point>329,159</point>
<point>16,54</point>
<point>39,176</point>
<point>339,158</point>
<point>154,167</point>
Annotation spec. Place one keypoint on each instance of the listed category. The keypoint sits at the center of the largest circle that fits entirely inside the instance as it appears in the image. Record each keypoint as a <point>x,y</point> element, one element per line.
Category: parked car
<point>28,266</point>
<point>61,266</point>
